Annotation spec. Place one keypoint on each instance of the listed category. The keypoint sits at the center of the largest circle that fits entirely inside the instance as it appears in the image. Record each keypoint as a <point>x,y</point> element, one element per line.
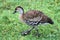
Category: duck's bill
<point>14,12</point>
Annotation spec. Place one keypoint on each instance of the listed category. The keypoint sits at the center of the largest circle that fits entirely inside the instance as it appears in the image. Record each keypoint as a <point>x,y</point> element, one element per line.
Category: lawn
<point>11,27</point>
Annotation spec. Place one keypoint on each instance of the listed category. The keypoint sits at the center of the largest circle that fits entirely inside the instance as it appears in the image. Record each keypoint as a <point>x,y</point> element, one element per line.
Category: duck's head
<point>19,9</point>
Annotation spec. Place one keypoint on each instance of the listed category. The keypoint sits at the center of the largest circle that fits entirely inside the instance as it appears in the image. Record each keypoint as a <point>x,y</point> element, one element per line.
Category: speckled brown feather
<point>34,15</point>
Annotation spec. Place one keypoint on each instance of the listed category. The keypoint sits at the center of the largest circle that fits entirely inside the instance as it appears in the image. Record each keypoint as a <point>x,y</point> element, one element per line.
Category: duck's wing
<point>35,17</point>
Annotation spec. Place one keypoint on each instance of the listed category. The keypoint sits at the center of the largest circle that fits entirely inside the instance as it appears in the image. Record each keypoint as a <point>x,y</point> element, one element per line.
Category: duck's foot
<point>37,34</point>
<point>24,33</point>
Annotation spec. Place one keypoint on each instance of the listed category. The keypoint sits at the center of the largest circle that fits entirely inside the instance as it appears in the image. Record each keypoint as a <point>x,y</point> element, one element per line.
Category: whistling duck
<point>32,18</point>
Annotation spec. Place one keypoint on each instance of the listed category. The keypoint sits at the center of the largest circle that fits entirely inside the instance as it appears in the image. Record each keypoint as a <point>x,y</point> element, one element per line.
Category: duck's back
<point>34,17</point>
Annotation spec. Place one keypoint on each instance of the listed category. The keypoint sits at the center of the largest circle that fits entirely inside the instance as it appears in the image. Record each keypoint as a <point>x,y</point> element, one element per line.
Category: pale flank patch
<point>44,23</point>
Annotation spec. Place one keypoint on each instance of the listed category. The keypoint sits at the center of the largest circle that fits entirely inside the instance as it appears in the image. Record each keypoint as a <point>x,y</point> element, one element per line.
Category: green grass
<point>10,26</point>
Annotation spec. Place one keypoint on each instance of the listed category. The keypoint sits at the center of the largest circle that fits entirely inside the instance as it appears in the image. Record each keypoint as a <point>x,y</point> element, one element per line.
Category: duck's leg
<point>37,32</point>
<point>27,32</point>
